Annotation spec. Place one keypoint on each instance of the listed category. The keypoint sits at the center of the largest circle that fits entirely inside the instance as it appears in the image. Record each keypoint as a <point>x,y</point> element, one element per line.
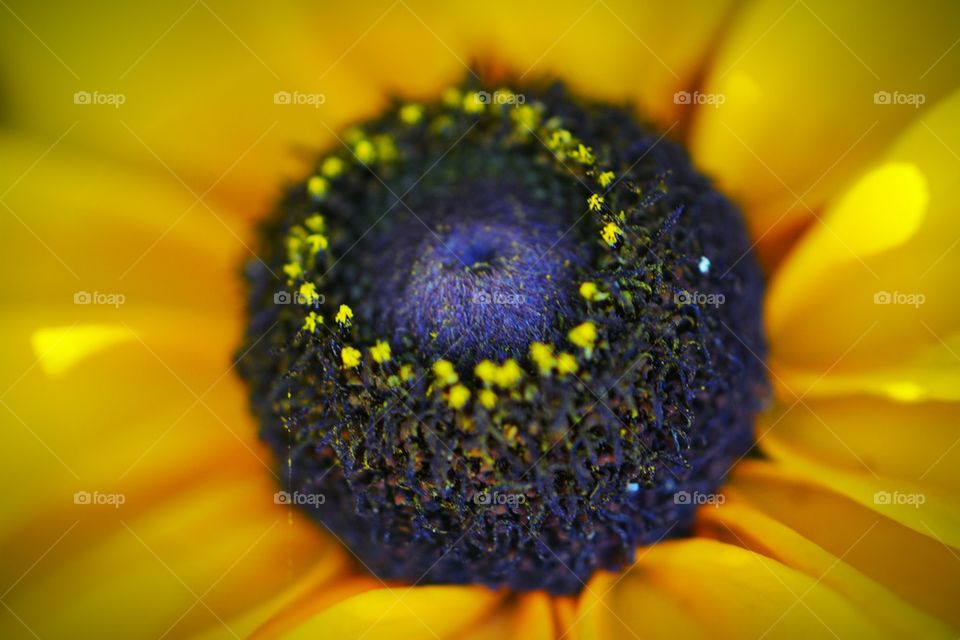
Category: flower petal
<point>920,567</point>
<point>923,506</point>
<point>204,77</point>
<point>799,80</point>
<point>704,588</point>
<point>866,302</point>
<point>402,611</point>
<point>738,522</point>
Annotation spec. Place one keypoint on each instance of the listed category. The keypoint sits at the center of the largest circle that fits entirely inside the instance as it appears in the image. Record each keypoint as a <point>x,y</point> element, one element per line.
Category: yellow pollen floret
<point>611,233</point>
<point>308,293</point>
<point>508,374</point>
<point>606,178</point>
<point>314,223</point>
<point>559,139</point>
<point>312,321</point>
<point>411,113</point>
<point>584,335</point>
<point>472,103</point>
<point>526,118</point>
<point>542,355</point>
<point>318,242</point>
<point>365,151</point>
<point>594,202</point>
<point>350,357</point>
<point>293,270</point>
<point>344,315</point>
<point>589,290</point>
<point>583,154</point>
<point>458,397</point>
<point>406,372</point>
<point>486,371</point>
<point>445,373</point>
<point>332,167</point>
<point>380,352</point>
<point>488,398</point>
<point>317,186</point>
<point>566,363</point>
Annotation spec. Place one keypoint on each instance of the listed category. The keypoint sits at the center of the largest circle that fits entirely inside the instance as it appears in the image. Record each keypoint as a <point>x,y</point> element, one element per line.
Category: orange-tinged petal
<point>403,612</point>
<point>916,443</point>
<point>76,225</point>
<point>866,302</point>
<point>198,82</point>
<point>221,541</point>
<point>880,212</point>
<point>704,588</point>
<point>919,567</point>
<point>799,80</point>
<point>738,522</point>
<point>926,509</point>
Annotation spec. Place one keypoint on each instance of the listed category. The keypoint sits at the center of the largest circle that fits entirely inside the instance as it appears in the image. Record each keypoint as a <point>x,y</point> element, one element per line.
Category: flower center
<point>504,341</point>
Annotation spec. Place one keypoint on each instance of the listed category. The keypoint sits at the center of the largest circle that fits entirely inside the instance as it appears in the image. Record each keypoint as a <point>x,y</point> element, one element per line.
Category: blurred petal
<point>909,499</point>
<point>799,118</point>
<point>920,567</point>
<point>59,348</point>
<point>198,81</point>
<point>403,612</point>
<point>703,588</point>
<point>915,443</point>
<point>737,522</point>
<point>866,301</point>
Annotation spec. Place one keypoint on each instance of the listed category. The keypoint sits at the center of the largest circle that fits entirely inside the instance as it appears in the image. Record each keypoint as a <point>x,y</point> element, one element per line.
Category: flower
<point>135,469</point>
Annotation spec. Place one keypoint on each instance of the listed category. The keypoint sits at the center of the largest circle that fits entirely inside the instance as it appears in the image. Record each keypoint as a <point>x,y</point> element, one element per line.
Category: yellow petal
<point>923,506</point>
<point>73,224</point>
<point>59,348</point>
<point>880,212</point>
<point>914,443</point>
<point>703,588</point>
<point>799,118</point>
<point>873,310</point>
<point>917,566</point>
<point>212,69</point>
<point>402,612</point>
<point>199,556</point>
<point>529,615</point>
<point>738,522</point>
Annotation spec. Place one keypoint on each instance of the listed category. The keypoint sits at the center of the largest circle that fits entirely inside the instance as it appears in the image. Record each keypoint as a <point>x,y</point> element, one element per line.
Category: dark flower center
<point>504,341</point>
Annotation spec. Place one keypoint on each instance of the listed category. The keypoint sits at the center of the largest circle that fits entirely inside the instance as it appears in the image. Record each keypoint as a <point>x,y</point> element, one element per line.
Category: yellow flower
<point>583,335</point>
<point>141,502</point>
<point>380,352</point>
<point>458,396</point>
<point>350,357</point>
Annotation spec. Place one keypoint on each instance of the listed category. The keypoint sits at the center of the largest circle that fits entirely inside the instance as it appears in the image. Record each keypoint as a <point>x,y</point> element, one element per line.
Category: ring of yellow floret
<point>307,247</point>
